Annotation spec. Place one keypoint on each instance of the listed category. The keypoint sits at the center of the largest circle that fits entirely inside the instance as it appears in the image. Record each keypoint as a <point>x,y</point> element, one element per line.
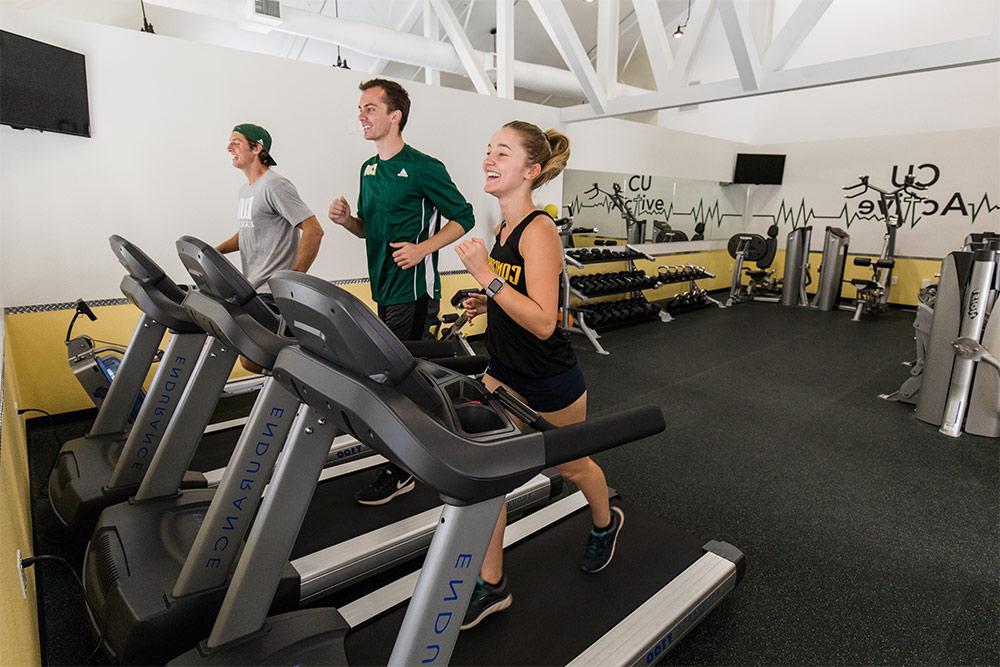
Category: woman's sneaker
<point>486,599</point>
<point>601,545</point>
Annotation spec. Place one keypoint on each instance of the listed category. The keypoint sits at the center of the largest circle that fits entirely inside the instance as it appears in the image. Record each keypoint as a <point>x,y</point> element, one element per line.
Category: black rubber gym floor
<point>870,538</point>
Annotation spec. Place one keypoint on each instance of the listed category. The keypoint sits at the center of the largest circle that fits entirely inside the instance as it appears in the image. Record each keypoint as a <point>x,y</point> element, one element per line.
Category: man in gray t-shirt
<point>276,229</point>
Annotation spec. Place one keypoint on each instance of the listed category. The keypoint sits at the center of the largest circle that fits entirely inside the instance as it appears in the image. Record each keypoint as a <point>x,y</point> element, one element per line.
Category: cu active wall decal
<point>685,203</point>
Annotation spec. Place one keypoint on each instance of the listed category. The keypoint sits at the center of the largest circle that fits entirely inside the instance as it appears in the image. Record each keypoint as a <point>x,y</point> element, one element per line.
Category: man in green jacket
<point>405,196</point>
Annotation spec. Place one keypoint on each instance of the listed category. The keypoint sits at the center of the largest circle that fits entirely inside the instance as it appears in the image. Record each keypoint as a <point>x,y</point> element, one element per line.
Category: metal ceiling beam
<point>405,25</point>
<point>608,24</point>
<point>555,20</point>
<point>395,46</point>
<point>799,25</point>
<point>741,43</point>
<point>505,48</point>
<point>961,53</point>
<point>471,59</point>
<point>654,36</point>
<point>432,30</point>
<point>701,15</point>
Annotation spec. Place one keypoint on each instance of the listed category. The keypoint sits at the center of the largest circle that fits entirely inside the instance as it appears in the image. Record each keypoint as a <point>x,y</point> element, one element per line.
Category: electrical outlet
<point>22,577</point>
<point>895,279</point>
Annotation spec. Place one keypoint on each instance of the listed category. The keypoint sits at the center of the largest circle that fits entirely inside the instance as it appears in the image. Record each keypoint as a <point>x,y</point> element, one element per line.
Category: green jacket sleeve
<point>359,212</point>
<point>441,191</point>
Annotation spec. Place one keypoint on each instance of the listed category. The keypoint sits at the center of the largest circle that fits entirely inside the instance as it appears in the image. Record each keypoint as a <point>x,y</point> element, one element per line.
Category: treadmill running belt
<point>215,448</point>
<point>334,516</point>
<point>558,609</point>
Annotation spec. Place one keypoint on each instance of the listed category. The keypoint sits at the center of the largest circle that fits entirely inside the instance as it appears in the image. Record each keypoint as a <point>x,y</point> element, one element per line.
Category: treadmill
<point>453,436</point>
<point>106,466</point>
<point>159,564</point>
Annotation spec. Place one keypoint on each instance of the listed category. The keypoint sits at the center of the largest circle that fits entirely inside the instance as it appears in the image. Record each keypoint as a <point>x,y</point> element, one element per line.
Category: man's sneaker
<point>389,483</point>
<point>601,546</point>
<point>486,599</point>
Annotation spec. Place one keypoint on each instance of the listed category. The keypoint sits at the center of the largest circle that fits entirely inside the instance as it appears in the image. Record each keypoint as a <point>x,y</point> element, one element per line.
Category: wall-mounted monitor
<point>759,168</point>
<point>42,87</point>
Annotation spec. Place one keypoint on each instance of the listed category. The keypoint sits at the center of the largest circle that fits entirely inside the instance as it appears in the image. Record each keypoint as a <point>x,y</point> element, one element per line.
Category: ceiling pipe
<point>380,42</point>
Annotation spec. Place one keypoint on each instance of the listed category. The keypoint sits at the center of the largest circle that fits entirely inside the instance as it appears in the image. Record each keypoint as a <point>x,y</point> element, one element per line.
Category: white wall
<point>815,172</point>
<point>156,166</point>
<point>614,145</point>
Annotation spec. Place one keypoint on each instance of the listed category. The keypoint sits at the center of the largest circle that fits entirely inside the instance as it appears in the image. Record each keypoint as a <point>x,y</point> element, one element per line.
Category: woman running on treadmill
<point>529,355</point>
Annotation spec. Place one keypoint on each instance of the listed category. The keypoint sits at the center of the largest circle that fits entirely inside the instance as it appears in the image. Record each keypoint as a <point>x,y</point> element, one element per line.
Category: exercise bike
<point>873,295</point>
<point>755,248</point>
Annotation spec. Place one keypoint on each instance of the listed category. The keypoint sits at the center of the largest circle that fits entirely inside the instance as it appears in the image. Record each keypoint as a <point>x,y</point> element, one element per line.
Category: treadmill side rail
<point>338,566</point>
<point>646,634</point>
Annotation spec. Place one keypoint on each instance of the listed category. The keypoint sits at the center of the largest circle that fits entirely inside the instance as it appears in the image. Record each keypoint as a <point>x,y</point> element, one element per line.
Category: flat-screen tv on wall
<point>759,168</point>
<point>42,87</point>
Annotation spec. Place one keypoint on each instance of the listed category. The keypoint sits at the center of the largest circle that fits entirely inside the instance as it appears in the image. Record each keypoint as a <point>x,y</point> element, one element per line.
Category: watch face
<point>495,286</point>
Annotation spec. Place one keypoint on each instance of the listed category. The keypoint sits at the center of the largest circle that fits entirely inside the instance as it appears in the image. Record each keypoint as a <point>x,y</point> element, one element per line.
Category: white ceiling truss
<point>472,62</point>
<point>767,74</point>
<point>557,24</point>
<point>595,75</point>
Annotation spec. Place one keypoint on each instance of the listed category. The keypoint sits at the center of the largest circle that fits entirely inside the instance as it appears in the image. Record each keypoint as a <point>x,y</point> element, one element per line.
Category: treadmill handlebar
<point>576,441</point>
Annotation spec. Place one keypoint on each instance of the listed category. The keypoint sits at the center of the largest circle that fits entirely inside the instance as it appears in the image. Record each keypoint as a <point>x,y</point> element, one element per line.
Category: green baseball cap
<point>255,134</point>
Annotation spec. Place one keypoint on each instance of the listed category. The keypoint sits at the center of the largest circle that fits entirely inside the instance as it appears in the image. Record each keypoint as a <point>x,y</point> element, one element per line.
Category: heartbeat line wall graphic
<point>684,203</point>
<point>914,211</point>
<point>984,203</point>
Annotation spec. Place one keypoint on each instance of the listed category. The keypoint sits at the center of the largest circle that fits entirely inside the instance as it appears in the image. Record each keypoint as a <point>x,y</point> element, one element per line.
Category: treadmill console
<point>334,325</point>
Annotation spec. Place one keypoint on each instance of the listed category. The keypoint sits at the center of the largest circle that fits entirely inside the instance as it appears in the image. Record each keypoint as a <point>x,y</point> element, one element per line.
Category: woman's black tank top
<point>509,343</point>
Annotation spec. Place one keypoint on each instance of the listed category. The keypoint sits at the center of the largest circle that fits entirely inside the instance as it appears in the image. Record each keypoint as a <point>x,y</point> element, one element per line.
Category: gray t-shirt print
<point>268,214</point>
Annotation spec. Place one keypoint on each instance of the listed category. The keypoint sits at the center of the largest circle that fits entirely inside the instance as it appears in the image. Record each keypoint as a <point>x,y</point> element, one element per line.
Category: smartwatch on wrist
<point>495,286</point>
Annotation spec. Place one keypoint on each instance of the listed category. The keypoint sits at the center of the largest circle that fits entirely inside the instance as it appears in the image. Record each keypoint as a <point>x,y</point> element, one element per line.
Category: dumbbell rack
<point>694,297</point>
<point>617,254</point>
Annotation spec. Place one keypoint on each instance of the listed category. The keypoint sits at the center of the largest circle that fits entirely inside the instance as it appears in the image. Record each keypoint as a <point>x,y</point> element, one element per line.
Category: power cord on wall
<point>52,422</point>
<point>55,434</point>
<point>32,560</point>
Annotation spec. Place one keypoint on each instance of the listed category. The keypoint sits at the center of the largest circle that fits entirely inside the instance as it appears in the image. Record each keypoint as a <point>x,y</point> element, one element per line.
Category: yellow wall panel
<point>36,339</point>
<point>18,613</point>
<point>910,274</point>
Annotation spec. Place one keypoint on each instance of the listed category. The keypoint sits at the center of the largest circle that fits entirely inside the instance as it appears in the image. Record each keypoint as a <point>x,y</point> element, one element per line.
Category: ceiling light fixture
<point>146,25</point>
<point>680,29</point>
<point>341,63</point>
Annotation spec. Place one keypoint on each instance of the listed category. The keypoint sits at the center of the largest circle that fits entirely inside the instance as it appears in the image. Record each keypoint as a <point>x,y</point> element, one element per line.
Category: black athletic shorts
<point>406,320</point>
<point>542,394</point>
